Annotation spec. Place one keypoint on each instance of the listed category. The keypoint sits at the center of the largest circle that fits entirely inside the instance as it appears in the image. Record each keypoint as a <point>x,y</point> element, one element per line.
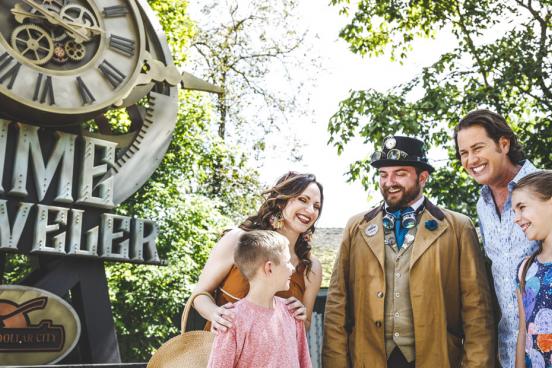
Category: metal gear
<point>51,5</point>
<point>33,43</point>
<point>80,15</point>
<point>58,33</point>
<point>75,51</point>
<point>60,55</point>
<point>55,5</point>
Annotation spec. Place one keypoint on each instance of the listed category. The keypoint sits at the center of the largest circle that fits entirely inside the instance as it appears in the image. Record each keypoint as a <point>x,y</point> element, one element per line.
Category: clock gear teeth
<point>60,55</point>
<point>52,5</point>
<point>75,51</point>
<point>33,43</point>
<point>79,15</point>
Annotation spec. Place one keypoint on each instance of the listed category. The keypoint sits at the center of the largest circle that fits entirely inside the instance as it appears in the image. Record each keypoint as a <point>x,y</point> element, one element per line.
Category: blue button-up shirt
<point>506,245</point>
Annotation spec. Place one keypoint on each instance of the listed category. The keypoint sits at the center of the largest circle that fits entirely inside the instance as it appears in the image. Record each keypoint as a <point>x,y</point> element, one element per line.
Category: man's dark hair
<point>496,127</point>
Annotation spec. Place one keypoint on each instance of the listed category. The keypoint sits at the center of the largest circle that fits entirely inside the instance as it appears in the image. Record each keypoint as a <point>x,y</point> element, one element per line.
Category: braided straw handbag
<point>189,349</point>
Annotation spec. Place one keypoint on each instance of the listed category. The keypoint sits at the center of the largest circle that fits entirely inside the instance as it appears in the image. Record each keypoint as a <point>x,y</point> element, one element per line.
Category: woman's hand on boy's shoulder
<point>222,318</point>
<point>296,308</point>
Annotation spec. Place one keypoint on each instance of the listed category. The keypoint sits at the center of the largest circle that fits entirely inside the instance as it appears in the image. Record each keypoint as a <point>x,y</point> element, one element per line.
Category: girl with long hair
<point>291,207</point>
<point>532,203</point>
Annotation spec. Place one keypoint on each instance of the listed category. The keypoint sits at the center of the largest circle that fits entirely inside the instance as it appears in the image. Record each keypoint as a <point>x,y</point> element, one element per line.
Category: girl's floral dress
<point>537,303</point>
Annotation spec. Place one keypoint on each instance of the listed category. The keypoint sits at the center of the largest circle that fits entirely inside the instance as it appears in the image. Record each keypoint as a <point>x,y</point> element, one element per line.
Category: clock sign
<point>66,61</point>
<point>69,70</point>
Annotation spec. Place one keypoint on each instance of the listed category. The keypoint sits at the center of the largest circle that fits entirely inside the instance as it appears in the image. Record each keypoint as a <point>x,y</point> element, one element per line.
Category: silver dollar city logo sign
<point>32,320</point>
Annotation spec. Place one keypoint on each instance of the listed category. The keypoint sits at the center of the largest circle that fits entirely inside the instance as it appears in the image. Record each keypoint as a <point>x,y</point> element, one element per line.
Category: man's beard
<point>408,195</point>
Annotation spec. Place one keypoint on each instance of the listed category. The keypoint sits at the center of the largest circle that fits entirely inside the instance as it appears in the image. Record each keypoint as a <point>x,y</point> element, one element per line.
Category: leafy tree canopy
<point>501,61</point>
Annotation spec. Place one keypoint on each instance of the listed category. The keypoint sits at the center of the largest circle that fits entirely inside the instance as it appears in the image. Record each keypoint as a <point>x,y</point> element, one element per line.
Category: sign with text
<point>36,327</point>
<point>55,196</point>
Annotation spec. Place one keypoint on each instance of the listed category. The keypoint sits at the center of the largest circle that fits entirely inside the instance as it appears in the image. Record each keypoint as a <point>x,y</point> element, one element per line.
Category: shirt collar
<point>526,168</point>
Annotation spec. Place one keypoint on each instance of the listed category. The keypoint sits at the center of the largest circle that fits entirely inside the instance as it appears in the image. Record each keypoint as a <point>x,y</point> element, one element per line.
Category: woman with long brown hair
<point>532,203</point>
<point>291,207</point>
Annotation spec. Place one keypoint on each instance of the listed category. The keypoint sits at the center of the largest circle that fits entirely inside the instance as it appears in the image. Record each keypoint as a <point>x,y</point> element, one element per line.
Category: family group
<point>411,285</point>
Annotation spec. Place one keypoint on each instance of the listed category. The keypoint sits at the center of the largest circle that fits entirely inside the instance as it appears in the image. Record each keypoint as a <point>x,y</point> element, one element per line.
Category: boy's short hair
<point>257,247</point>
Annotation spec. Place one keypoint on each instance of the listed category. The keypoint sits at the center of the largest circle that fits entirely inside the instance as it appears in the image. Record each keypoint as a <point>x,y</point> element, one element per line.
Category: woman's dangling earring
<point>277,221</point>
<point>307,236</point>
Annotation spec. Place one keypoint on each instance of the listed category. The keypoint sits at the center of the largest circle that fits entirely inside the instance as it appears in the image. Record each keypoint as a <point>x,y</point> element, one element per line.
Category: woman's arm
<point>216,268</point>
<point>522,334</point>
<point>312,286</point>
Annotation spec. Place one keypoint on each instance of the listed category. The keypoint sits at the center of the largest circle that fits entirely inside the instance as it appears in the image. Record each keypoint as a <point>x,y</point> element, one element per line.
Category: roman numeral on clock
<point>11,73</point>
<point>122,45</point>
<point>86,95</point>
<point>115,11</point>
<point>44,84</point>
<point>112,74</point>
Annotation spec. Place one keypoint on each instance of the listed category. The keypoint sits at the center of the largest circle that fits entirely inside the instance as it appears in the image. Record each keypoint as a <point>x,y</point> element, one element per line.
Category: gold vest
<point>399,322</point>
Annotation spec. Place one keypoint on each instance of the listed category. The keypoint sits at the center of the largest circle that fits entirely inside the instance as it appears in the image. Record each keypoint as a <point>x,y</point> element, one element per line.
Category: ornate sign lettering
<point>54,178</point>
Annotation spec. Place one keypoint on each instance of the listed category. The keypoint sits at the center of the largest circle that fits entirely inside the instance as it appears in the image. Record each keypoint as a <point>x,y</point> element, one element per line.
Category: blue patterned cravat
<point>400,231</point>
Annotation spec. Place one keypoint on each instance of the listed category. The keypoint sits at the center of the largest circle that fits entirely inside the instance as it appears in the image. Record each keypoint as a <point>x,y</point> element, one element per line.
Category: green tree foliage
<point>501,61</point>
<point>191,211</point>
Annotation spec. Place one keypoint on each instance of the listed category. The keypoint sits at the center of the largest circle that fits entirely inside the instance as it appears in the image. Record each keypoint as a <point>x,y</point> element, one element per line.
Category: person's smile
<point>304,219</point>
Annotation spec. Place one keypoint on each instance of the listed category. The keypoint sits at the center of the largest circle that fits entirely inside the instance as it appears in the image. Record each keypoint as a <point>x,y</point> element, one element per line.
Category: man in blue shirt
<point>490,153</point>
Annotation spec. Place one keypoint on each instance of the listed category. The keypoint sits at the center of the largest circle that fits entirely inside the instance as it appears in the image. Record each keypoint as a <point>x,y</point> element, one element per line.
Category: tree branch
<point>542,52</point>
<point>473,50</point>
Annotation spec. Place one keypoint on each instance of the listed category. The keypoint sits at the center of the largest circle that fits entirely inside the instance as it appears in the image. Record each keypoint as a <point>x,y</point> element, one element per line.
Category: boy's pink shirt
<point>262,337</point>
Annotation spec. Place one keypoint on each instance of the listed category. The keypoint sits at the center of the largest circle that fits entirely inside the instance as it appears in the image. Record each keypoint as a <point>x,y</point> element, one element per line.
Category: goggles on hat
<point>392,154</point>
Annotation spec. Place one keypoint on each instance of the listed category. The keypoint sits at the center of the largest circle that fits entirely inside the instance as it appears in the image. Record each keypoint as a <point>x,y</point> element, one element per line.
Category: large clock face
<point>64,61</point>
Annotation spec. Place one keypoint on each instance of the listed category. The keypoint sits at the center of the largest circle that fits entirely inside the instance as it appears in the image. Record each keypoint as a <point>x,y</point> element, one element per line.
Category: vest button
<point>380,294</point>
<point>378,324</point>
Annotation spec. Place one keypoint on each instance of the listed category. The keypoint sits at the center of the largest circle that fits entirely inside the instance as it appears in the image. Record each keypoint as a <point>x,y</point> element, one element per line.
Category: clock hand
<point>21,14</point>
<point>55,19</point>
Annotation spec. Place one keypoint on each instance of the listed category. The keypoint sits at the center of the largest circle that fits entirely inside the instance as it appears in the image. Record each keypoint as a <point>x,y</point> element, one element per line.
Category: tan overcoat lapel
<point>375,241</point>
<point>425,238</point>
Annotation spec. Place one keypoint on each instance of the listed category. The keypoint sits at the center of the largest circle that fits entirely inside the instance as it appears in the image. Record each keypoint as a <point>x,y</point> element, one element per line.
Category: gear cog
<point>75,51</point>
<point>60,55</point>
<point>33,43</point>
<point>80,15</point>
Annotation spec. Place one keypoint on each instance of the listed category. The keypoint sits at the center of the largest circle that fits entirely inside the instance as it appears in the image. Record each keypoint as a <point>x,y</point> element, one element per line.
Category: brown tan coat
<point>449,292</point>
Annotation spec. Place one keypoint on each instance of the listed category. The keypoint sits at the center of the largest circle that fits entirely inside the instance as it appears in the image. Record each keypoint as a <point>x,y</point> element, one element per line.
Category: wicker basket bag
<point>189,349</point>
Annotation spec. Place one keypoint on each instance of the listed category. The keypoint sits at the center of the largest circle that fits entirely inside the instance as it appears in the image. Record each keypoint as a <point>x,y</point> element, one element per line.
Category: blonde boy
<point>265,333</point>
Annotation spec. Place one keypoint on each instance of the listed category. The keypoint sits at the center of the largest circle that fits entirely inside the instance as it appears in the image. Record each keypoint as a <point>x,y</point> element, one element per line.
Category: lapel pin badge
<point>372,230</point>
<point>431,225</point>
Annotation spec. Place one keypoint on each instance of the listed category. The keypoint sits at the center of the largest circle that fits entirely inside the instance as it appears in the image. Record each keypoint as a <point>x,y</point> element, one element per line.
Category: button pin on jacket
<point>372,230</point>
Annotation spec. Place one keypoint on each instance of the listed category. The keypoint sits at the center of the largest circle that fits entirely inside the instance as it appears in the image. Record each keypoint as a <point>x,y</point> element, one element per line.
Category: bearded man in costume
<point>409,287</point>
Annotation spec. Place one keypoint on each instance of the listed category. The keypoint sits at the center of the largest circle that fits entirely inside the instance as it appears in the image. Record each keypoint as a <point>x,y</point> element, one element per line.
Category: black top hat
<point>401,151</point>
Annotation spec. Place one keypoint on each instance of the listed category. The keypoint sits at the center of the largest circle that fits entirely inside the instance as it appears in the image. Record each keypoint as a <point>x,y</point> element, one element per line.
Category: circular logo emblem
<point>372,230</point>
<point>36,326</point>
<point>390,143</point>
